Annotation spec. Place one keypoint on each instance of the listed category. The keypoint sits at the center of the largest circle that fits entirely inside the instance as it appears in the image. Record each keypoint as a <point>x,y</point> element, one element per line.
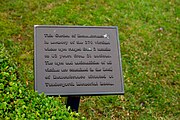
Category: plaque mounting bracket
<point>73,102</point>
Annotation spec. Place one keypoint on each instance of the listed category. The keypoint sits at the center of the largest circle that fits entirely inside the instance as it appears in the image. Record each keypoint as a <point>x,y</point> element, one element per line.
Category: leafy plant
<point>17,102</point>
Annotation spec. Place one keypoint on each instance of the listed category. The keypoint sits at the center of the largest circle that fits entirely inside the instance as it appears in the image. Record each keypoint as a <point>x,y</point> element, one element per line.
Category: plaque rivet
<point>106,36</point>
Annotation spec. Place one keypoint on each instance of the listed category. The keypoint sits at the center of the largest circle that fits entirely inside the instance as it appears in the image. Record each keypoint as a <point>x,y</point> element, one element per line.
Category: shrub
<point>17,102</point>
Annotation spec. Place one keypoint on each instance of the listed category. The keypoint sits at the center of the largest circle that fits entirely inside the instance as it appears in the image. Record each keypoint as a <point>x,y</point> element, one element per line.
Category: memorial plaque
<point>77,60</point>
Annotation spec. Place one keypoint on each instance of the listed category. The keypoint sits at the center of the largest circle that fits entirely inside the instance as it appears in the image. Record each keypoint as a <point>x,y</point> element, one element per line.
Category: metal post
<point>73,102</point>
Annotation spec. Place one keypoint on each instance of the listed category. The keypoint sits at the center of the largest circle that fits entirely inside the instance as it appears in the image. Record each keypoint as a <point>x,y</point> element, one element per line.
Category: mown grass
<point>150,46</point>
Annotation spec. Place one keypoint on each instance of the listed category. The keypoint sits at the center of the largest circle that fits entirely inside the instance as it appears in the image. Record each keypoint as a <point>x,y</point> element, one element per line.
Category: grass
<point>150,46</point>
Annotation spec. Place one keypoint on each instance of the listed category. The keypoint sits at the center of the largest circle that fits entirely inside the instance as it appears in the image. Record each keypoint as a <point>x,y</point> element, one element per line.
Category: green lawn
<point>149,32</point>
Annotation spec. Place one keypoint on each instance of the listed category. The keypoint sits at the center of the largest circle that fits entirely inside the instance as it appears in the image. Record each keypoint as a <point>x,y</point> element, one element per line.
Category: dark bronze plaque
<point>77,60</point>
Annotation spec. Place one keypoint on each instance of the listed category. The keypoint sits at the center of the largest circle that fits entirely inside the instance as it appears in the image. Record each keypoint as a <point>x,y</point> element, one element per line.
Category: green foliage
<point>17,102</point>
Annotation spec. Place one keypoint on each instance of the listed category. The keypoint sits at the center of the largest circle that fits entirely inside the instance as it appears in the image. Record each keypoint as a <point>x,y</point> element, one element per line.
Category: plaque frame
<point>78,93</point>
